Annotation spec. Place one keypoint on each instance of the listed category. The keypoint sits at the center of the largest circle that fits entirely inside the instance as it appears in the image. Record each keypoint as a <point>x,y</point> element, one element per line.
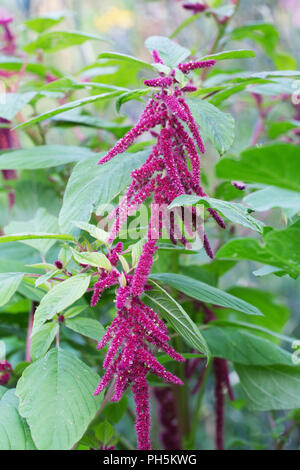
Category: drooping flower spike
<point>137,332</point>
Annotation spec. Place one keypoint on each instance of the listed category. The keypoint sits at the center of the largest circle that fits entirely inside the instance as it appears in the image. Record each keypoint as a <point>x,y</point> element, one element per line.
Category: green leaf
<point>12,103</point>
<point>275,129</point>
<point>94,231</point>
<point>86,327</point>
<point>236,54</point>
<point>267,198</point>
<point>239,345</point>
<point>35,236</point>
<point>280,249</point>
<point>264,34</point>
<point>275,313</point>
<point>41,23</point>
<point>178,318</point>
<point>14,431</point>
<point>170,52</point>
<point>105,432</point>
<point>236,213</point>
<point>43,156</point>
<point>68,106</point>
<point>214,124</point>
<point>205,293</point>
<point>99,260</point>
<point>56,398</point>
<point>270,387</point>
<point>60,297</point>
<point>275,164</point>
<point>9,283</point>
<point>42,339</point>
<point>15,64</point>
<point>131,95</point>
<point>56,40</point>
<point>125,58</point>
<point>36,228</point>
<point>91,185</point>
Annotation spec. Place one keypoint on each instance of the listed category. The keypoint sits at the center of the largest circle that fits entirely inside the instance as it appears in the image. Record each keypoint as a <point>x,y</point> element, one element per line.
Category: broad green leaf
<point>92,185</point>
<point>56,40</point>
<point>214,124</point>
<point>94,231</point>
<point>242,346</point>
<point>233,211</point>
<point>264,34</point>
<point>86,327</point>
<point>236,54</point>
<point>9,283</point>
<point>42,223</point>
<point>60,297</point>
<point>270,387</point>
<point>205,293</point>
<point>12,103</point>
<point>178,318</point>
<point>267,198</point>
<point>41,23</point>
<point>170,52</point>
<point>70,105</point>
<point>280,249</point>
<point>43,156</point>
<point>99,260</point>
<point>56,398</point>
<point>275,313</point>
<point>275,129</point>
<point>42,339</point>
<point>125,58</point>
<point>275,164</point>
<point>14,431</point>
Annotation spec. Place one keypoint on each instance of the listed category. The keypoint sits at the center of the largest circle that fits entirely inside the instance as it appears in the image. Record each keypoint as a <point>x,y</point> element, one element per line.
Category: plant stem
<point>29,331</point>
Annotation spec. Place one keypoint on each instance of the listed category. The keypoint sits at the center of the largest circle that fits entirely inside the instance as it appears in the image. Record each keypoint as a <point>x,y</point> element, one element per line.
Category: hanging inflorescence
<point>172,169</point>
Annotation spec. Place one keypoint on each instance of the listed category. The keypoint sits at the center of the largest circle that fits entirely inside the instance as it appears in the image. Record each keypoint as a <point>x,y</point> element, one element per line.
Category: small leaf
<point>170,52</point>
<point>104,432</point>
<point>94,231</point>
<point>42,339</point>
<point>86,327</point>
<point>125,58</point>
<point>42,23</point>
<point>98,260</point>
<point>60,297</point>
<point>9,283</point>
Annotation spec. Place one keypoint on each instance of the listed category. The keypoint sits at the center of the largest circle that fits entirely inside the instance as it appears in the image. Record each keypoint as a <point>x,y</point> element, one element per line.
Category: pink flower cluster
<point>5,371</point>
<point>8,37</point>
<point>170,436</point>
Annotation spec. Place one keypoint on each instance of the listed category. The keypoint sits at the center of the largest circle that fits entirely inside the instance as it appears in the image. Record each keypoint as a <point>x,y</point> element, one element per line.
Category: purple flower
<point>239,185</point>
<point>194,65</point>
<point>195,7</point>
<point>5,370</point>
